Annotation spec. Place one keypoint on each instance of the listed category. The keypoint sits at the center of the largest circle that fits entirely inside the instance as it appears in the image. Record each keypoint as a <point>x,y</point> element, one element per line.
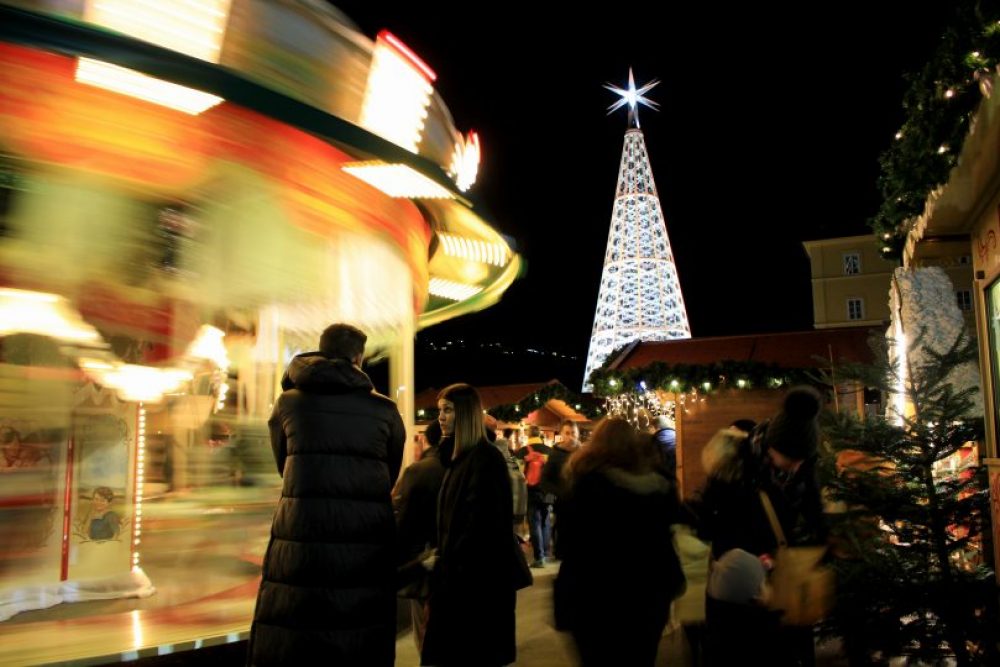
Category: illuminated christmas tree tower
<point>640,296</point>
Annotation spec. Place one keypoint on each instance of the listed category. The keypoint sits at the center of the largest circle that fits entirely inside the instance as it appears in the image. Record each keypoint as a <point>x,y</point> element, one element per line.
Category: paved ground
<point>538,644</point>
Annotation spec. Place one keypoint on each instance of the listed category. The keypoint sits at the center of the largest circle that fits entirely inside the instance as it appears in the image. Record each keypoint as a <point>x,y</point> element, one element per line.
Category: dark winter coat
<point>328,589</point>
<point>619,569</point>
<point>471,609</point>
<point>552,474</point>
<point>415,503</point>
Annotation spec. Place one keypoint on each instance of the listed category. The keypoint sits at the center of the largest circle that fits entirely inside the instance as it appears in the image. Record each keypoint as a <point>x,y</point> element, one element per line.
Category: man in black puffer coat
<point>328,589</point>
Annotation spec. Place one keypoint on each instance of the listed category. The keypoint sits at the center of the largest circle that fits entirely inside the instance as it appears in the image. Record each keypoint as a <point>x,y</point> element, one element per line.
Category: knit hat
<point>794,431</point>
<point>737,577</point>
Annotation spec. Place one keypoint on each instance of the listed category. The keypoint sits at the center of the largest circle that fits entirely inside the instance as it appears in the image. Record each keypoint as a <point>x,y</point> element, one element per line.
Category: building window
<point>855,309</point>
<point>965,259</point>
<point>852,263</point>
<point>964,297</point>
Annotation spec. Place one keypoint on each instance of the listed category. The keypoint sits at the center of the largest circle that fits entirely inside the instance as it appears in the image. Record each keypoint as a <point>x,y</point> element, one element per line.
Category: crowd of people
<point>348,539</point>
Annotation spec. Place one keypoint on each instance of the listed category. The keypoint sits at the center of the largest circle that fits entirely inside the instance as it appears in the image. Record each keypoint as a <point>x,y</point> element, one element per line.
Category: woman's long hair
<point>614,444</point>
<point>469,425</point>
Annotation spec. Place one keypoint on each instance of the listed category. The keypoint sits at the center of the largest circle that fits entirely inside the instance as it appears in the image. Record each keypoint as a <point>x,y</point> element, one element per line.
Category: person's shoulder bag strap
<point>772,518</point>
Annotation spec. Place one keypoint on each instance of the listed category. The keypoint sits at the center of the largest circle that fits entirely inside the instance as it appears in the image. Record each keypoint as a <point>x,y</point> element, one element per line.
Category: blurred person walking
<point>415,503</point>
<point>619,570</point>
<point>553,480</point>
<point>535,455</point>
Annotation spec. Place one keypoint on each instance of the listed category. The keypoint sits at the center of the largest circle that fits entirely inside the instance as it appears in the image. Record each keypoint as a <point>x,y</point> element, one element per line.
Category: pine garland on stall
<point>941,100</point>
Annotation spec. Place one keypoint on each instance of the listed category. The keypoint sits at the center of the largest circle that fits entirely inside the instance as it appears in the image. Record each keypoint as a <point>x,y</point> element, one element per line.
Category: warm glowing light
<point>397,180</point>
<point>899,135</point>
<point>138,383</point>
<point>496,254</point>
<point>707,386</point>
<point>398,93</point>
<point>741,383</point>
<point>194,28</point>
<point>136,629</point>
<point>943,148</point>
<point>208,345</point>
<point>129,82</point>
<point>465,161</point>
<point>50,315</point>
<point>451,290</point>
<point>950,93</point>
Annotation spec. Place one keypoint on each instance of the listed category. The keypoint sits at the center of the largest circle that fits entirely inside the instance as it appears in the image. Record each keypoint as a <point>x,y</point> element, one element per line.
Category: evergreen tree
<point>913,577</point>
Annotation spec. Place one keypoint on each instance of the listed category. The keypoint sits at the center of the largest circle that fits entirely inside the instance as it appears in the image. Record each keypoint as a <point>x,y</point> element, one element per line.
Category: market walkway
<point>538,644</point>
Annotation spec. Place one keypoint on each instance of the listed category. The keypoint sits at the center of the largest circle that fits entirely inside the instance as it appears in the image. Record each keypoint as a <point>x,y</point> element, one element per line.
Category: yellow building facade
<point>851,280</point>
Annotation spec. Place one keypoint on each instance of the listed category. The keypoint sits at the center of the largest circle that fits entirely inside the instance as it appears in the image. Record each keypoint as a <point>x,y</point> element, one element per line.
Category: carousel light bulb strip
<point>397,180</point>
<point>465,161</point>
<point>129,82</point>
<point>474,249</point>
<point>140,481</point>
<point>193,28</point>
<point>397,94</point>
<point>449,289</point>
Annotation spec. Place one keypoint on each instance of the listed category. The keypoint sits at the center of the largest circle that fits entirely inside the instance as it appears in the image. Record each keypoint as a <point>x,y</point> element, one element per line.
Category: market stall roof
<point>788,350</point>
<point>510,394</point>
<point>954,208</point>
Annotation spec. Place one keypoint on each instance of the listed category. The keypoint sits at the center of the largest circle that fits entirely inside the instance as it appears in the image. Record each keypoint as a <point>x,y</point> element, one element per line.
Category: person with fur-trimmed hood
<point>619,569</point>
<point>778,458</point>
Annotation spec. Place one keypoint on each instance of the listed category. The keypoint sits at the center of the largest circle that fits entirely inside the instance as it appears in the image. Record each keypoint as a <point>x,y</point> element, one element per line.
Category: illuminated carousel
<point>189,193</point>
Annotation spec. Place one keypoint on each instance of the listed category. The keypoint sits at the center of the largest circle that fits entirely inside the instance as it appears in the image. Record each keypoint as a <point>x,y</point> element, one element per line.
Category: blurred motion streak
<point>194,28</point>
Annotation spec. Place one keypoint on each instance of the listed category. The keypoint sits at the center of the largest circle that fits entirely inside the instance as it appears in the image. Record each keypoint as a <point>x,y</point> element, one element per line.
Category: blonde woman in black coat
<point>473,584</point>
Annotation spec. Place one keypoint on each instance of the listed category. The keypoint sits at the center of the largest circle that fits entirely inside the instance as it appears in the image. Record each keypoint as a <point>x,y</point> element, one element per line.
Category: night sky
<point>769,131</point>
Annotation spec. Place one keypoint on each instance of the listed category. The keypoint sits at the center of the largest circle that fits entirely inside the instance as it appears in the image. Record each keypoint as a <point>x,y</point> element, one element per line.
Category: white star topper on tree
<point>633,98</point>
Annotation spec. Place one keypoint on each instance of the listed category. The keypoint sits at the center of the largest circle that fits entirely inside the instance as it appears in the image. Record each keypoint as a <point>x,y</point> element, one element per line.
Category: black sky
<point>771,123</point>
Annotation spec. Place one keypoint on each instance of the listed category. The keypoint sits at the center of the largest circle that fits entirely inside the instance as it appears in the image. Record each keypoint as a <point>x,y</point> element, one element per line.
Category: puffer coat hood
<point>315,373</point>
